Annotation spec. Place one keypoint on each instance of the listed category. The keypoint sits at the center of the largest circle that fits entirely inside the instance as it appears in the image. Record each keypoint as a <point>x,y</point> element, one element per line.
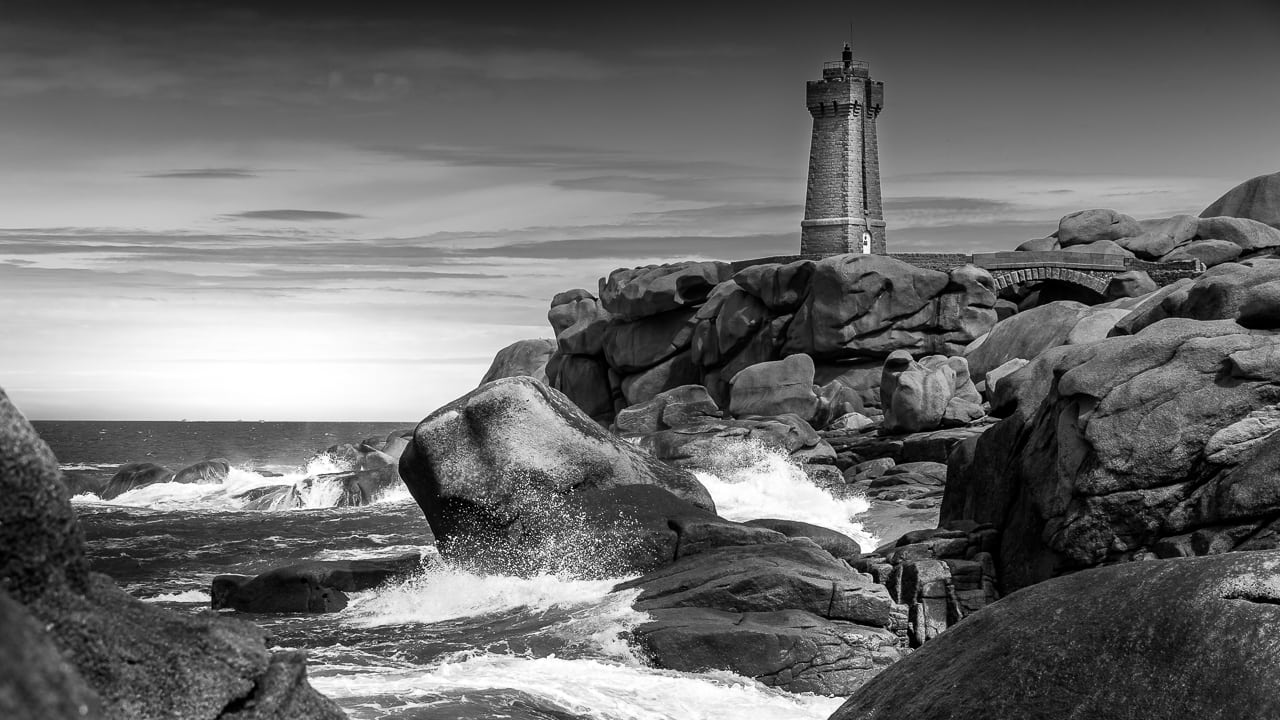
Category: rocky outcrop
<point>492,470</point>
<point>941,575</point>
<point>782,611</point>
<point>1255,199</point>
<point>140,661</point>
<point>1244,292</point>
<point>1136,446</point>
<point>660,327</point>
<point>318,586</point>
<point>521,358</point>
<point>132,476</point>
<point>577,368</point>
<point>1154,640</point>
<point>871,305</point>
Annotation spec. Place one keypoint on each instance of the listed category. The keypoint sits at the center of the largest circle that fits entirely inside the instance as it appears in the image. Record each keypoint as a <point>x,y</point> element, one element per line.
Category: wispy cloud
<point>293,215</point>
<point>204,174</point>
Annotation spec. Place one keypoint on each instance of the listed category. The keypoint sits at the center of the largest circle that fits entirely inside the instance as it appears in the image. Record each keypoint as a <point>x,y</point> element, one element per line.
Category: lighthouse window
<point>835,108</point>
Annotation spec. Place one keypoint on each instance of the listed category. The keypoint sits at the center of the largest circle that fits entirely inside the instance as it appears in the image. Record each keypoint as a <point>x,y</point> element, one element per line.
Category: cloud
<point>293,215</point>
<point>204,174</point>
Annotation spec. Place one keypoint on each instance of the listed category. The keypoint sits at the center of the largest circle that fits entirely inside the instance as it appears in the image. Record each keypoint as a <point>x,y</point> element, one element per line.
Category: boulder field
<point>654,328</point>
<point>94,650</point>
<point>515,477</point>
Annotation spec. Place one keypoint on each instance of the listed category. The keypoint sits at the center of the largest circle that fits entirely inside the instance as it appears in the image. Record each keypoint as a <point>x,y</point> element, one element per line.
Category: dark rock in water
<point>133,476</point>
<point>789,649</point>
<point>277,591</point>
<point>1159,640</point>
<point>521,358</point>
<point>273,497</point>
<point>343,454</point>
<point>311,587</point>
<point>841,546</point>
<point>786,574</point>
<point>489,466</point>
<point>38,683</point>
<point>142,661</point>
<point>1254,199</point>
<point>359,487</point>
<point>785,612</point>
<point>206,471</point>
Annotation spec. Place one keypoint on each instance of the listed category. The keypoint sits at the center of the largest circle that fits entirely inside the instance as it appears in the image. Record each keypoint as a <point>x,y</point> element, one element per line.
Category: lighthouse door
<point>866,243</point>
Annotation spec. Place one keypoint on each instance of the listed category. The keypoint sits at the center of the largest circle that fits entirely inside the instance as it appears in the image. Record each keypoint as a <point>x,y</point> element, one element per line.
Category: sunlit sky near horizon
<point>322,211</point>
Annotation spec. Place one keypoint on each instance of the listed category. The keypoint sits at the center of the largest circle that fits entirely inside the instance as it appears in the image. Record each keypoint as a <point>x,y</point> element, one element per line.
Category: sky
<point>341,211</point>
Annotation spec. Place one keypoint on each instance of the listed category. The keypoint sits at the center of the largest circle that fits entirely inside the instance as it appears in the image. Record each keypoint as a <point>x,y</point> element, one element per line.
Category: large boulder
<point>1159,640</point>
<point>1209,252</point>
<point>1255,199</point>
<point>522,357</point>
<point>38,683</point>
<point>790,649</point>
<point>140,660</point>
<point>1159,237</point>
<point>923,395</point>
<point>1033,331</point>
<point>634,293</point>
<point>1129,447</point>
<point>780,287</point>
<point>132,476</point>
<point>487,467</point>
<point>673,372</point>
<point>775,388</point>
<point>1250,235</point>
<point>584,380</point>
<point>578,321</point>
<point>1090,226</point>
<point>870,305</point>
<point>783,611</point>
<point>677,407</point>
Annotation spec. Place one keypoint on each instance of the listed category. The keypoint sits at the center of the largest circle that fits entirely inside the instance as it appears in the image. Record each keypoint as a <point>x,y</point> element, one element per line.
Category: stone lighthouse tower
<point>842,211</point>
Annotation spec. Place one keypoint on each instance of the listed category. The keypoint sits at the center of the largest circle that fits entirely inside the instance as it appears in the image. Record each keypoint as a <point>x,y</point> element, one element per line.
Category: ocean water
<point>445,643</point>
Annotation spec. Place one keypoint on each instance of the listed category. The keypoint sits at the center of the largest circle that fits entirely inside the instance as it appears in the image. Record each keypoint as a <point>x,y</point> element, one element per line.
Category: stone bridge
<point>1089,270</point>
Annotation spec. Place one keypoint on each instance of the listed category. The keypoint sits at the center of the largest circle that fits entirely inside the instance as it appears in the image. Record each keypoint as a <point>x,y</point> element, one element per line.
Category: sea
<point>445,643</point>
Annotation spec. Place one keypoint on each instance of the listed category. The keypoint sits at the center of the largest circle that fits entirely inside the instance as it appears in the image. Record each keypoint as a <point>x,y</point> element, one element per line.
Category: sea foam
<point>749,481</point>
<point>598,689</point>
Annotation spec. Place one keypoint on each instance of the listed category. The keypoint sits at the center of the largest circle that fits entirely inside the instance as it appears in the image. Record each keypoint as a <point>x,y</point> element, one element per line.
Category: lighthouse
<point>843,212</point>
